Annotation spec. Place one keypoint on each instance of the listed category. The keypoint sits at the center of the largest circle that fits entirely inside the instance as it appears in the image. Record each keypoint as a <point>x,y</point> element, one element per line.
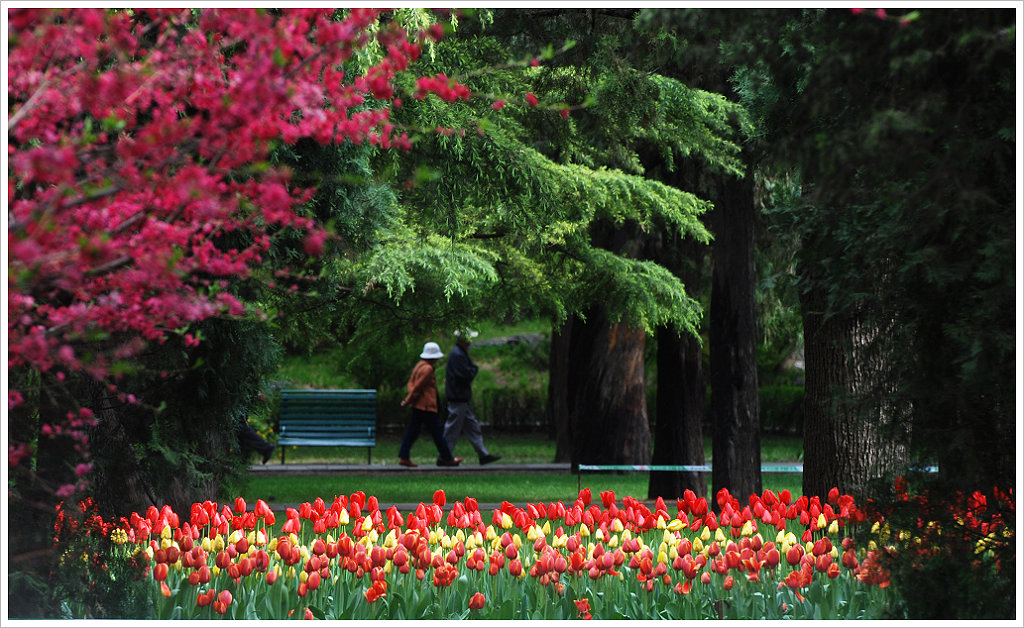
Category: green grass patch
<point>514,448</point>
<point>518,488</point>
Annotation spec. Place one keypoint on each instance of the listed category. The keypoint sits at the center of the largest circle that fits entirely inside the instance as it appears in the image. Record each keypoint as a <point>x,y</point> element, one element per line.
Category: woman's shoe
<point>407,463</point>
<point>454,462</point>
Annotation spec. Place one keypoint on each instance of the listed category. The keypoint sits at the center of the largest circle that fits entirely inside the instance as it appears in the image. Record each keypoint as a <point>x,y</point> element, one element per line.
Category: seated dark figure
<point>249,439</point>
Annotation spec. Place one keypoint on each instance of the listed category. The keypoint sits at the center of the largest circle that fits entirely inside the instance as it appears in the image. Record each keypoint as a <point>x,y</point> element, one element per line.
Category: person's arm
<point>418,383</point>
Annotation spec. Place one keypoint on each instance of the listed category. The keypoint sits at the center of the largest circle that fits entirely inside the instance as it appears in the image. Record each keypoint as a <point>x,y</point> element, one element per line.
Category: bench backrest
<point>329,413</point>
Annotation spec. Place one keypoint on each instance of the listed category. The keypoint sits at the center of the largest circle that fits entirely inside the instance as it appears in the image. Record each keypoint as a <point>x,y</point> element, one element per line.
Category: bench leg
<point>369,451</point>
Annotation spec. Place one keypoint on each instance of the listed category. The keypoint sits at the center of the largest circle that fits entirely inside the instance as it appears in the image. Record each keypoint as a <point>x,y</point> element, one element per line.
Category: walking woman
<point>423,398</point>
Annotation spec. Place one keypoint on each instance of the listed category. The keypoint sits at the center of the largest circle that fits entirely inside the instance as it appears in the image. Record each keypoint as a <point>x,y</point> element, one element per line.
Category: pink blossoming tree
<point>139,185</point>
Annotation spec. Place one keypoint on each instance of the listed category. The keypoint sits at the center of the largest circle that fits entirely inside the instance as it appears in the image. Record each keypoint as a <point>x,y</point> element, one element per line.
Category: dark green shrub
<point>782,409</point>
<point>518,410</point>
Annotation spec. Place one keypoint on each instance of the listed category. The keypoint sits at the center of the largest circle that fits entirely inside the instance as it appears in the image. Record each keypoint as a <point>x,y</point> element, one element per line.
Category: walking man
<point>458,379</point>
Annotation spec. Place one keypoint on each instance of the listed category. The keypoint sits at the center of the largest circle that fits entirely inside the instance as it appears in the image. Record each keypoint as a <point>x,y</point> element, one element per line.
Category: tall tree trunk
<point>606,387</point>
<point>678,434</point>
<point>847,415</point>
<point>558,392</point>
<point>678,430</point>
<point>736,444</point>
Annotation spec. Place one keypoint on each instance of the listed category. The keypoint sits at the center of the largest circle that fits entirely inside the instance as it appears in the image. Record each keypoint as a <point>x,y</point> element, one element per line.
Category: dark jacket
<point>459,374</point>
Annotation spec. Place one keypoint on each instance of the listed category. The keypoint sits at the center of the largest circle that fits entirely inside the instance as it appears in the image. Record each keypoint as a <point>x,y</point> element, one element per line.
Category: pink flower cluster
<point>138,144</point>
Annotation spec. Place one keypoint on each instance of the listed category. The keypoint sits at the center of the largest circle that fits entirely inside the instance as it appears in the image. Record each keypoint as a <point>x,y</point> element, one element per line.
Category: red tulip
<point>439,497</point>
<point>477,601</point>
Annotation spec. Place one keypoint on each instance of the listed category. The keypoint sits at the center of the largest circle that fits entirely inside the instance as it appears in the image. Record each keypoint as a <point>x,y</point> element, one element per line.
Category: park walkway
<point>271,469</point>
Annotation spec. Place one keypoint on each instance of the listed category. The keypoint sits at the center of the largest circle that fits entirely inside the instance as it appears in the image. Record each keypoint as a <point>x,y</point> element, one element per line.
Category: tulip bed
<point>773,557</point>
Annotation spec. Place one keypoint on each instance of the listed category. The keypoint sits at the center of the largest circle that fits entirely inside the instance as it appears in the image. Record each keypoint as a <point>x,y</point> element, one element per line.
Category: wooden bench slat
<point>328,418</point>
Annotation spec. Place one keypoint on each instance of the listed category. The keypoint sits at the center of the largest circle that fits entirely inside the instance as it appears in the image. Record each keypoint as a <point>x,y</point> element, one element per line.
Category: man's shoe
<point>489,459</point>
<point>407,463</point>
<point>266,456</point>
<point>454,462</point>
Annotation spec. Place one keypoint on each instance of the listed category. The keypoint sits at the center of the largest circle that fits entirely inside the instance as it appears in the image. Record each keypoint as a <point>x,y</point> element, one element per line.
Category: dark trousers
<point>418,419</point>
<point>249,438</point>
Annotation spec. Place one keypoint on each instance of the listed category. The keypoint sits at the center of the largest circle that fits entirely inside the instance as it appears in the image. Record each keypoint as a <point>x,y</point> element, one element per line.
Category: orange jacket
<point>422,387</point>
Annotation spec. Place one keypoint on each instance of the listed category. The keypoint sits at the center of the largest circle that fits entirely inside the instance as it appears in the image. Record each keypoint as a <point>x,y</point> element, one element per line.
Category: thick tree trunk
<point>678,434</point>
<point>736,444</point>
<point>558,392</point>
<point>606,388</point>
<point>678,430</point>
<point>846,414</point>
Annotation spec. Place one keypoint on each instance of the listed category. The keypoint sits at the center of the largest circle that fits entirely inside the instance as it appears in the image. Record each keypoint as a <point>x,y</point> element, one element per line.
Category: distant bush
<point>513,410</point>
<point>782,409</point>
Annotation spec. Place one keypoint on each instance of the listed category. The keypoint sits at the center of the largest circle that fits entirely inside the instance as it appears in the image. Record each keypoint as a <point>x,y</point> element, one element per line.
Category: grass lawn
<point>518,488</point>
<point>513,448</point>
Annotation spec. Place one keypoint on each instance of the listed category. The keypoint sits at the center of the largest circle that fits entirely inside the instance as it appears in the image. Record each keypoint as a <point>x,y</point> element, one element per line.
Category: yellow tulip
<point>705,534</point>
<point>372,537</point>
<point>506,521</point>
<point>446,542</point>
<point>675,525</point>
<point>367,524</point>
<point>291,572</point>
<point>584,530</point>
<point>303,575</point>
<point>833,528</point>
<point>547,527</point>
<point>491,534</point>
<point>215,570</point>
<point>720,536</point>
<point>598,535</point>
<point>272,546</point>
<point>617,526</point>
<point>166,532</point>
<point>748,529</point>
<point>293,539</point>
<point>698,546</point>
<point>343,518</point>
<point>626,535</point>
<point>661,523</point>
<point>207,545</point>
<point>532,533</point>
<point>613,542</point>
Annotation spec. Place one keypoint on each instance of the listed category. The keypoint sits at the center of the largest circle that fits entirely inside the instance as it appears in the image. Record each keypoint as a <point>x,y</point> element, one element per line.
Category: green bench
<point>328,418</point>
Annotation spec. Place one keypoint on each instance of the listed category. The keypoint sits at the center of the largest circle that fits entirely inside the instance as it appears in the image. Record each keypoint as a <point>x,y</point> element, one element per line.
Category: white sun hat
<point>431,351</point>
<point>466,334</point>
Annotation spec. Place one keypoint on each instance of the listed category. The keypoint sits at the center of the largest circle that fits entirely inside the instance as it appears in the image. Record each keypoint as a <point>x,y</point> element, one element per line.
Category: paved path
<point>392,468</point>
